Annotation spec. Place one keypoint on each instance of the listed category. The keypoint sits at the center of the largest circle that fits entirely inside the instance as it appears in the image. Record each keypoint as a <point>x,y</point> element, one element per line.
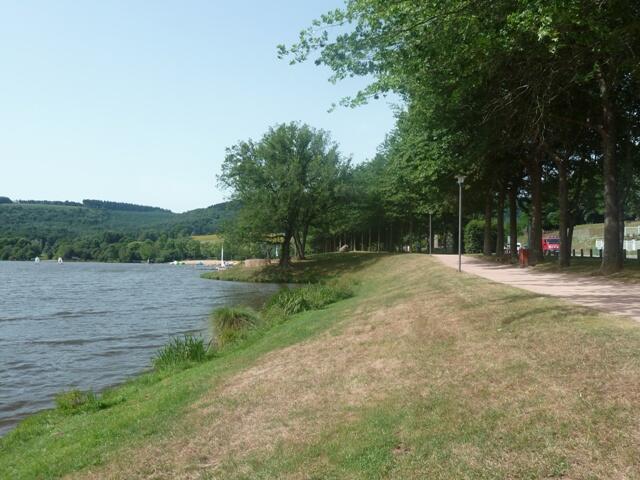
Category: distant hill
<point>42,218</point>
<point>106,231</point>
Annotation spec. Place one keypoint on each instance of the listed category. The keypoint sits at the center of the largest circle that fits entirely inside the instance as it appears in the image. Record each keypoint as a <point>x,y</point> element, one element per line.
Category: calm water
<point>92,325</point>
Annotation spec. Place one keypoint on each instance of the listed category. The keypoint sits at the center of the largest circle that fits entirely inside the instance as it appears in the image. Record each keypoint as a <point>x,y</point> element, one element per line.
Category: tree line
<point>537,103</point>
<point>104,204</point>
<point>109,247</point>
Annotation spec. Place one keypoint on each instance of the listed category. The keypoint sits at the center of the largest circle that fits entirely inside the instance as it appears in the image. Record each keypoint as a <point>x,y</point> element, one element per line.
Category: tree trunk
<point>563,201</point>
<point>303,241</point>
<point>299,249</point>
<point>621,226</point>
<point>612,253</point>
<point>444,234</point>
<point>535,249</point>
<point>500,224</point>
<point>513,221</point>
<point>570,238</point>
<point>285,255</point>
<point>488,210</point>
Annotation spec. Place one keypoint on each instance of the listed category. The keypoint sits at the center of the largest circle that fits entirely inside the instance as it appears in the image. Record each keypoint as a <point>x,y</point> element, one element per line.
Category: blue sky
<point>135,101</point>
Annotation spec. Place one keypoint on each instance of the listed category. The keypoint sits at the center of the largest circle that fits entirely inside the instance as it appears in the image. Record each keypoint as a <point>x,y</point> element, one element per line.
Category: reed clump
<point>74,401</point>
<point>309,297</point>
<point>232,324</point>
<point>181,352</point>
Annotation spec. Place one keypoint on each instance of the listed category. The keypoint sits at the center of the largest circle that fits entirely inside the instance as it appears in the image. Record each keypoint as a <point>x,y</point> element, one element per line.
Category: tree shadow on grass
<point>318,268</point>
<point>324,267</point>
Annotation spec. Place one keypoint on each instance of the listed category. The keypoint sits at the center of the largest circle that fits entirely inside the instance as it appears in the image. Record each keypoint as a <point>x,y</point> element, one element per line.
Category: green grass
<point>424,373</point>
<point>321,267</point>
<point>310,297</point>
<point>74,401</point>
<point>232,325</point>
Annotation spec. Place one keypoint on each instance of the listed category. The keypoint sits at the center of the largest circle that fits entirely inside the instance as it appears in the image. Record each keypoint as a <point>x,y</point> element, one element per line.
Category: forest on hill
<point>105,231</point>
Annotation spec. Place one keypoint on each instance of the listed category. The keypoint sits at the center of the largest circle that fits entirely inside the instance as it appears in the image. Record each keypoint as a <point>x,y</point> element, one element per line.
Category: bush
<point>309,297</point>
<point>180,353</point>
<point>232,324</point>
<point>474,236</point>
<point>74,401</point>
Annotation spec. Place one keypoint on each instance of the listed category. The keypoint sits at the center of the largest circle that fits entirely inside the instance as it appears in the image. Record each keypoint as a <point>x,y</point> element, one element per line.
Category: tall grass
<point>180,353</point>
<point>309,297</point>
<point>232,324</point>
<point>74,401</point>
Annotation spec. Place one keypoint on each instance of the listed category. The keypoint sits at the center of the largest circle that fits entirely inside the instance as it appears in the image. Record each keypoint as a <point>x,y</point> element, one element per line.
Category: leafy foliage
<point>286,182</point>
<point>526,97</point>
<point>474,236</point>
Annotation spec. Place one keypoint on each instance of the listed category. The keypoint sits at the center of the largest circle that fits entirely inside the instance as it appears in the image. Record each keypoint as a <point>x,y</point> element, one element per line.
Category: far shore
<point>207,263</point>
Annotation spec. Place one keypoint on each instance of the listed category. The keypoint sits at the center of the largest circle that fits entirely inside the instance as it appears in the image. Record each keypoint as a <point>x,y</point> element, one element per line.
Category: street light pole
<point>430,235</point>
<point>460,179</point>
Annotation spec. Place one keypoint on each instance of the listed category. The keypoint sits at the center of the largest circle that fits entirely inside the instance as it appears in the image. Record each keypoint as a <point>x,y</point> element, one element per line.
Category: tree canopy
<point>287,183</point>
<point>518,95</point>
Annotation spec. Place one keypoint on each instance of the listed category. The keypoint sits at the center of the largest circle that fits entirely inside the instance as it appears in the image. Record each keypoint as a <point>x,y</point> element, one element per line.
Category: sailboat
<point>222,257</point>
<point>37,260</point>
<point>59,259</point>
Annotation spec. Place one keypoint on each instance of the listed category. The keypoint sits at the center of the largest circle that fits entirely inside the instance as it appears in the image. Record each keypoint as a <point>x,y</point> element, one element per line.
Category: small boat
<point>60,260</point>
<point>37,260</point>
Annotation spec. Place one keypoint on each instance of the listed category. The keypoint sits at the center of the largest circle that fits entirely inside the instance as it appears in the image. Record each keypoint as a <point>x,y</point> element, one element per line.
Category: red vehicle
<point>551,246</point>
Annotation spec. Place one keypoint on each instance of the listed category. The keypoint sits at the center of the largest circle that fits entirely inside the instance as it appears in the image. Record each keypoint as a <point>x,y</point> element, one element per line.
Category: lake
<point>93,325</point>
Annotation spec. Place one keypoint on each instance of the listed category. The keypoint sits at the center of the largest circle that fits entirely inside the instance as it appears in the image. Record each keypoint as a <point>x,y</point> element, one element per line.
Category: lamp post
<point>460,179</point>
<point>430,235</point>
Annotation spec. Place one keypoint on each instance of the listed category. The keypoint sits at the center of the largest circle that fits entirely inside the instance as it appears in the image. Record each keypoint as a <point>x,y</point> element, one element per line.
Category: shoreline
<point>14,418</point>
<point>206,262</point>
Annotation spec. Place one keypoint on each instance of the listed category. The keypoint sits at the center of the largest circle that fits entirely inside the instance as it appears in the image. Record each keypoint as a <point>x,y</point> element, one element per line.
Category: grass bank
<point>424,373</point>
<point>586,266</point>
<point>322,267</point>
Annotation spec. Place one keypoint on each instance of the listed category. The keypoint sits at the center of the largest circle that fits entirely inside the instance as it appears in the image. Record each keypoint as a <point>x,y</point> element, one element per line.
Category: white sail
<point>222,256</point>
<point>37,260</point>
<point>59,259</point>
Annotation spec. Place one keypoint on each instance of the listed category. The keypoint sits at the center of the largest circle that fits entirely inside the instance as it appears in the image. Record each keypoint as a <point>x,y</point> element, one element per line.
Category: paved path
<point>606,295</point>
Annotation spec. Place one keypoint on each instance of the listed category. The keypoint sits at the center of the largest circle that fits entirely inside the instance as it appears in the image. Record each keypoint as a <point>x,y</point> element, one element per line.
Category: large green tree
<point>286,182</point>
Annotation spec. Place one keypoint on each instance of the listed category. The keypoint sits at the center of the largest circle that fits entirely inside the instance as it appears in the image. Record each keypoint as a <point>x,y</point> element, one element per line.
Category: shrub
<point>474,236</point>
<point>74,401</point>
<point>309,297</point>
<point>180,353</point>
<point>231,324</point>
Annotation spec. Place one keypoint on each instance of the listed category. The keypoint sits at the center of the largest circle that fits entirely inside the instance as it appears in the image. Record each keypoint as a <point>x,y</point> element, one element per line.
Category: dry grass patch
<point>429,374</point>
